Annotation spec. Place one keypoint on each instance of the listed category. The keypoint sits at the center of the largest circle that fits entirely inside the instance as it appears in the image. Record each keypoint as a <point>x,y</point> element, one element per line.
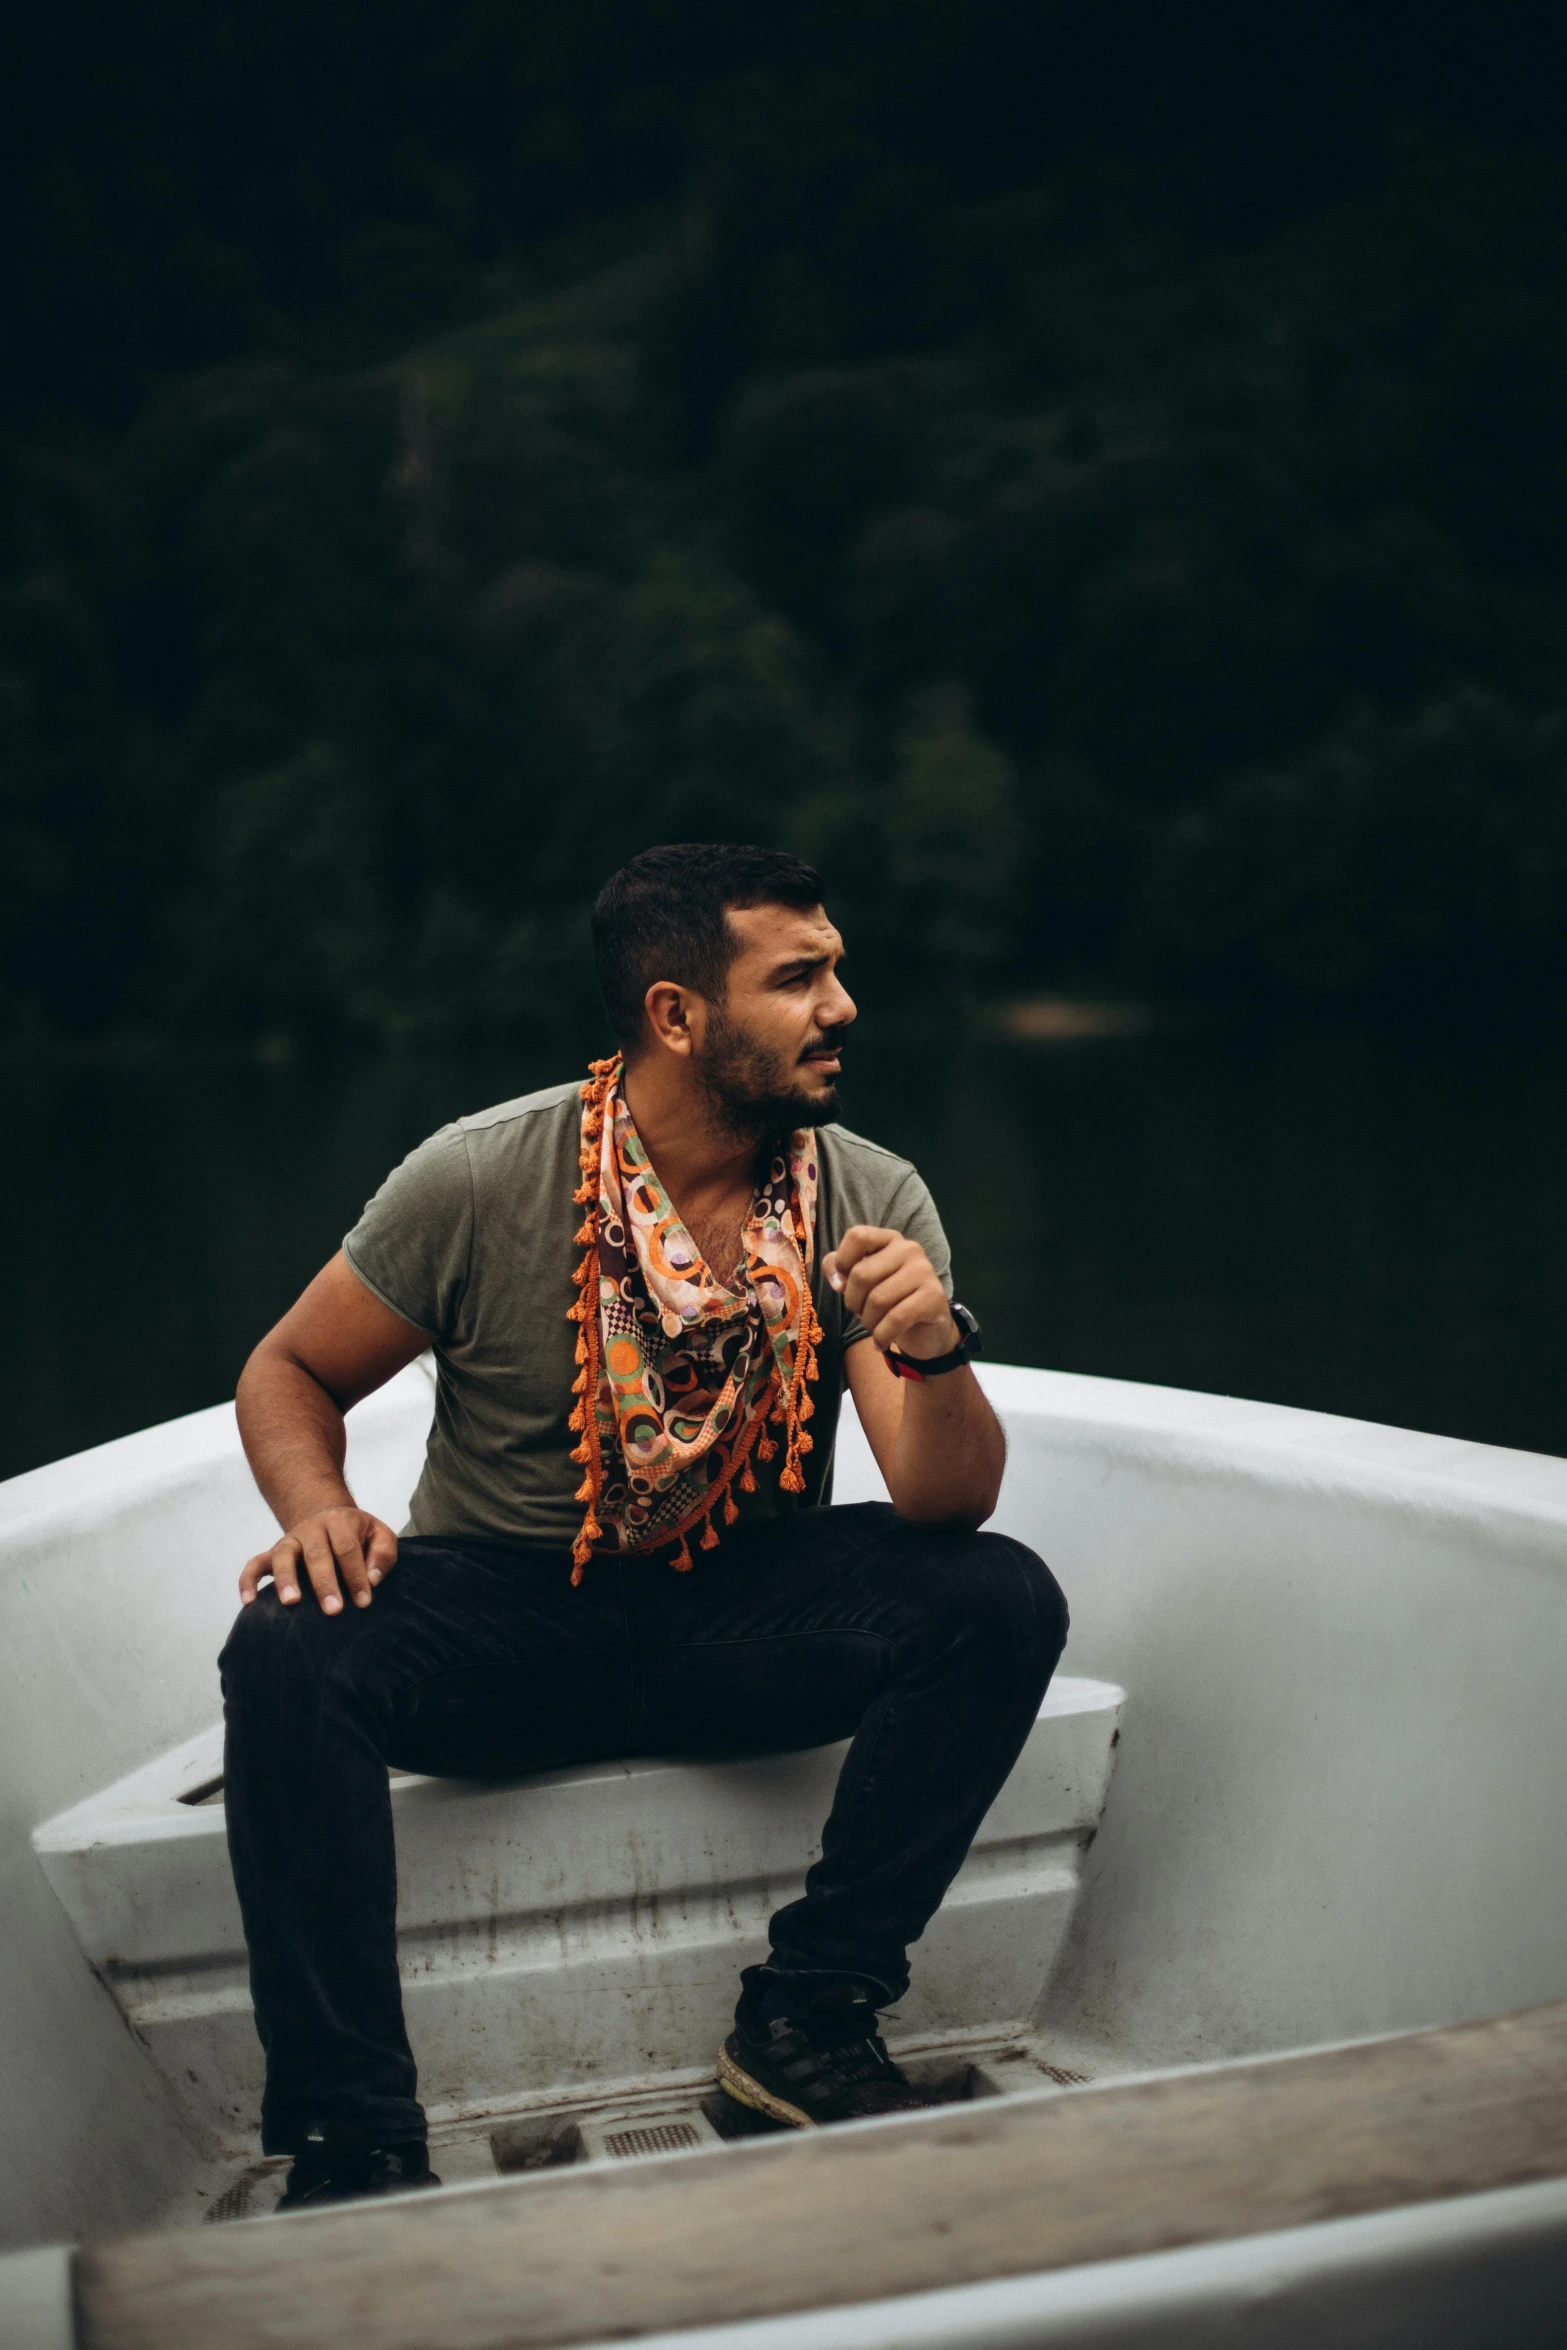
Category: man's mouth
<point>826,1057</point>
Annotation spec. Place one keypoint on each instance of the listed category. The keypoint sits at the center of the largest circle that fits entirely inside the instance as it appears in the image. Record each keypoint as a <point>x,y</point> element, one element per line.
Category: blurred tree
<point>1401,859</point>
<point>953,842</point>
<point>1096,481</point>
<point>282,932</point>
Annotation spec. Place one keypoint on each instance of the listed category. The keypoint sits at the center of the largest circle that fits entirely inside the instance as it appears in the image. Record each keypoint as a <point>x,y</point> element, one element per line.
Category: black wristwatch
<point>970,1343</point>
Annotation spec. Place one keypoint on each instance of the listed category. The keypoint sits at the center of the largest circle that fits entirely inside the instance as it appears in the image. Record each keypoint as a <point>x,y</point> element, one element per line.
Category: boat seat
<point>577,1927</point>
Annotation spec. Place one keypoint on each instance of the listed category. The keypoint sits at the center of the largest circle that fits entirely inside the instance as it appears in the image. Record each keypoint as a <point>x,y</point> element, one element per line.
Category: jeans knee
<point>252,1635</point>
<point>264,1636</point>
<point>1016,1593</point>
<point>1051,1619</point>
<point>990,1588</point>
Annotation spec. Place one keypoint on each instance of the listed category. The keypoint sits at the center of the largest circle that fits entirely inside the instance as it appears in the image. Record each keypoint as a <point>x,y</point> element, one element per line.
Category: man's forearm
<point>947,1462</point>
<point>294,1437</point>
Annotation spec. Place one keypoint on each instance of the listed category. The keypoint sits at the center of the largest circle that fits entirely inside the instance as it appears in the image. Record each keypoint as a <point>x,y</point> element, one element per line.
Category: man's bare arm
<point>937,1442</point>
<point>337,1344</point>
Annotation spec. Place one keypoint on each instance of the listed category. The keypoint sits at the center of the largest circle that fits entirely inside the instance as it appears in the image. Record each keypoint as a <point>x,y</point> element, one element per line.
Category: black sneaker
<point>824,2063</point>
<point>330,2167</point>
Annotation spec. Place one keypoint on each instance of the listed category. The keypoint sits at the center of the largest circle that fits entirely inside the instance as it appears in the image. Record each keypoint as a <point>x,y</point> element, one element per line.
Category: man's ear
<point>669,1010</point>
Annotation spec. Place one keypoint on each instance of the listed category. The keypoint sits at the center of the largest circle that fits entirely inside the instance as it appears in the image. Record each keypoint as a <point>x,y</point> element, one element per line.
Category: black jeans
<point>478,1660</point>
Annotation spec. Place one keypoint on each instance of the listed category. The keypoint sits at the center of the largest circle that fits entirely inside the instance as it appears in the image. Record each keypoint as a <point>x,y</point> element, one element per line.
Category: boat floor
<point>660,2114</point>
<point>1011,2187</point>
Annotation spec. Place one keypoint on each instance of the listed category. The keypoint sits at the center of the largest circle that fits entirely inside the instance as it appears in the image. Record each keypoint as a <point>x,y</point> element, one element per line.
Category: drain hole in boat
<point>544,2143</point>
<point>657,2138</point>
<point>233,2203</point>
<point>950,2080</point>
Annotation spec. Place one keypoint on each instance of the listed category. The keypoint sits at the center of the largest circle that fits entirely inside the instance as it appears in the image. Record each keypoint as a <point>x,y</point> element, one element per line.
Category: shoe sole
<point>737,2083</point>
<point>318,2201</point>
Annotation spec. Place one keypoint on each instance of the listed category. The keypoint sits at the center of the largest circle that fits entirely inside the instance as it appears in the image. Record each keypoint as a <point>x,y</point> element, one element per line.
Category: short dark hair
<point>662,917</point>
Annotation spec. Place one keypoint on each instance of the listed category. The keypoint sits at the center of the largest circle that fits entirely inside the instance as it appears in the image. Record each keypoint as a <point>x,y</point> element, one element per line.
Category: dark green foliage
<point>1393,859</point>
<point>1123,546</point>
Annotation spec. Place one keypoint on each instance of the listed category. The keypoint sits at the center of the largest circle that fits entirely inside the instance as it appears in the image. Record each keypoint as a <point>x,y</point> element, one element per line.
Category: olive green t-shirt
<point>471,1240</point>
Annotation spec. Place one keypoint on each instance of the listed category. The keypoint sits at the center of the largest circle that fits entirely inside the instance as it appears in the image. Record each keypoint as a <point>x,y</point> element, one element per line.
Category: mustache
<point>831,1040</point>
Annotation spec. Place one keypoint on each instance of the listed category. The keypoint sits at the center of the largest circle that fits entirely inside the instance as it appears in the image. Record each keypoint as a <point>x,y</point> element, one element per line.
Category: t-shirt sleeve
<point>911,1211</point>
<point>413,1244</point>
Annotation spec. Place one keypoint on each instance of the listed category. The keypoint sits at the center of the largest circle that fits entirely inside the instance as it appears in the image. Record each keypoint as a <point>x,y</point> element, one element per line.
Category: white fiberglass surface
<point>1335,1795</point>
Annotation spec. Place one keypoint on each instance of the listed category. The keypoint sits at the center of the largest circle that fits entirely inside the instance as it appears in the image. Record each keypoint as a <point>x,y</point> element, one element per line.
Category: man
<point>644,1296</point>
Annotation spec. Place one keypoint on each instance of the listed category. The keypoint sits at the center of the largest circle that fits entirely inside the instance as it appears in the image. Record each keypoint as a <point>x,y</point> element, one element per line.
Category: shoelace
<point>832,2066</point>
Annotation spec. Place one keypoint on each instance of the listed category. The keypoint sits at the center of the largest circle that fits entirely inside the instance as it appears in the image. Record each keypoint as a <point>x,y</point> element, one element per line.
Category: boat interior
<point>1295,1787</point>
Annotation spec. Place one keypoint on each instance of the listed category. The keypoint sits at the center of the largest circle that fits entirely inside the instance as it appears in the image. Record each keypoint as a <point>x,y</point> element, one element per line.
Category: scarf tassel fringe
<point>783,1408</point>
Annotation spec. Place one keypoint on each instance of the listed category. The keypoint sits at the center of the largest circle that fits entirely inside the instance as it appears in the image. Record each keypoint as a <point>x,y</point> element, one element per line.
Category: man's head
<point>722,958</point>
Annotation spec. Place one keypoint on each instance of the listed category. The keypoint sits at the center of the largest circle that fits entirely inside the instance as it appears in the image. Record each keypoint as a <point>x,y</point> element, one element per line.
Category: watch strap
<point>970,1343</point>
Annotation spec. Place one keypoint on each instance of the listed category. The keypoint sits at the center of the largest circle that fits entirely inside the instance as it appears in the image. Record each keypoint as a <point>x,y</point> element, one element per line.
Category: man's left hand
<point>890,1283</point>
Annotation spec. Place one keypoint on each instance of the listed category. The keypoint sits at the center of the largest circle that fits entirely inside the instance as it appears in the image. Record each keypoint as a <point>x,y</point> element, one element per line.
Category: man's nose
<point>840,1008</point>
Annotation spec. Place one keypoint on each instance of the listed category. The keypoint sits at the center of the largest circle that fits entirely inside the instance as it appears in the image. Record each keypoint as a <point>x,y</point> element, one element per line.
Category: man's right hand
<point>340,1550</point>
<point>335,1345</point>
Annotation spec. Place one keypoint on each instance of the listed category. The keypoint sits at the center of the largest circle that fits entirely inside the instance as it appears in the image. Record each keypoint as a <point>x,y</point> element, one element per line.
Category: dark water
<point>1359,1224</point>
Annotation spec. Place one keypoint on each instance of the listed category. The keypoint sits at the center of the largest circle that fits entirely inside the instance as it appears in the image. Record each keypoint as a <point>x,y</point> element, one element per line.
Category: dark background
<point>1095,480</point>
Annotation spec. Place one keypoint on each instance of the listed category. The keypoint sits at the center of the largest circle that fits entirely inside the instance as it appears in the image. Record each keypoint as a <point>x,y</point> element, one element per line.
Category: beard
<point>754,1091</point>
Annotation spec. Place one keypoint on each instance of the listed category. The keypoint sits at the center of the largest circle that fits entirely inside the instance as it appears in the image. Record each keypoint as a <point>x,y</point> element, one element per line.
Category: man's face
<point>770,1052</point>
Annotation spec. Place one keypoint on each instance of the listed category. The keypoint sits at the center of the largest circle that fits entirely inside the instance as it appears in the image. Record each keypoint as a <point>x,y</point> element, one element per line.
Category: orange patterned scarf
<point>678,1377</point>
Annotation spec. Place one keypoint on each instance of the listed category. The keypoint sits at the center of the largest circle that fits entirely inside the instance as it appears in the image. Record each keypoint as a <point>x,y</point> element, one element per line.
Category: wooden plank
<point>774,2225</point>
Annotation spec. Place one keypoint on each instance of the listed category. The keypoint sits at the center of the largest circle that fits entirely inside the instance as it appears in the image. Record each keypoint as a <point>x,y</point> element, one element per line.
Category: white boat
<point>1285,1842</point>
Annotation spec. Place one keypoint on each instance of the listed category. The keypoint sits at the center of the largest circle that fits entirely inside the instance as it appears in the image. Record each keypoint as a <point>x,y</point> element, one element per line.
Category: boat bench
<point>574,1928</point>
